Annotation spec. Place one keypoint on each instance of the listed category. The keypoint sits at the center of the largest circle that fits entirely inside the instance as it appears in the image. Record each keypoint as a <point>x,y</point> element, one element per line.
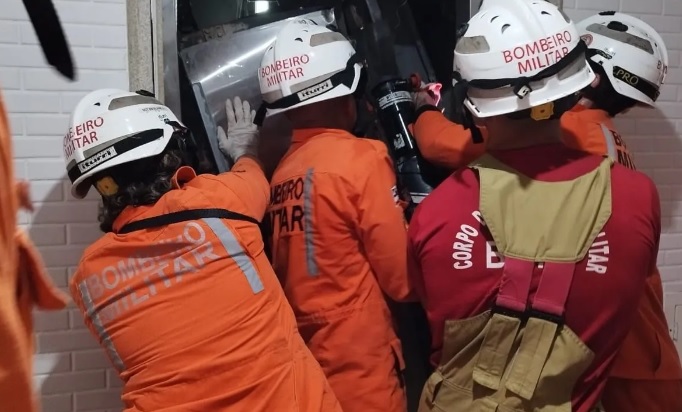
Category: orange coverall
<point>339,243</point>
<point>646,375</point>
<point>24,283</point>
<point>191,313</point>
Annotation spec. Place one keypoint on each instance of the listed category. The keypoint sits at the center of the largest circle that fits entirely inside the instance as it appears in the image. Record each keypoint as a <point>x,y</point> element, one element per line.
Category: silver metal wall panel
<point>225,67</point>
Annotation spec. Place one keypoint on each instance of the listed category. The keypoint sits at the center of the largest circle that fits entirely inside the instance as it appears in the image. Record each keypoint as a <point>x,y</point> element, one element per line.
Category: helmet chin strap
<point>188,146</point>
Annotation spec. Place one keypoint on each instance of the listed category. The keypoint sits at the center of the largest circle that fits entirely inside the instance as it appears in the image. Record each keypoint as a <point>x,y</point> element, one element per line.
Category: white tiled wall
<point>70,370</point>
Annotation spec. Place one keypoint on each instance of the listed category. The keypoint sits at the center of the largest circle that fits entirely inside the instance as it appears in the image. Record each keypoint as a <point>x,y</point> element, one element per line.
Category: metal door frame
<point>153,49</point>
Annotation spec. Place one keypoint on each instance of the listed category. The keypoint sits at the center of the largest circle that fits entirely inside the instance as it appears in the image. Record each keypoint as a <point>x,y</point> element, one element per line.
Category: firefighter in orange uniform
<point>338,231</point>
<point>179,292</point>
<point>647,375</point>
<point>24,281</point>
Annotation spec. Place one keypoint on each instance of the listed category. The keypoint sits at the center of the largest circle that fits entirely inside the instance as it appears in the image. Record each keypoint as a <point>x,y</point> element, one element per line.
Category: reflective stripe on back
<point>308,229</point>
<point>610,144</point>
<point>236,252</point>
<point>103,335</point>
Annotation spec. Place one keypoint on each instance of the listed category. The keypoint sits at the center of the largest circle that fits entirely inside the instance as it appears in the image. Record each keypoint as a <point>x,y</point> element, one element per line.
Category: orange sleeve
<point>16,393</point>
<point>582,130</point>
<point>247,183</point>
<point>444,143</point>
<point>381,225</point>
<point>24,284</point>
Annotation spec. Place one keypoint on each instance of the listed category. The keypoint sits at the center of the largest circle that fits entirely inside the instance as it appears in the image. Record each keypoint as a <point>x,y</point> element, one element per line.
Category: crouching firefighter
<point>630,60</point>
<point>531,298</point>
<point>178,291</point>
<point>338,231</point>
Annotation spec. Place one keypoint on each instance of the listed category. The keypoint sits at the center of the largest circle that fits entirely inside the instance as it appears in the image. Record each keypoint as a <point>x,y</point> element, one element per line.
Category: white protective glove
<point>242,135</point>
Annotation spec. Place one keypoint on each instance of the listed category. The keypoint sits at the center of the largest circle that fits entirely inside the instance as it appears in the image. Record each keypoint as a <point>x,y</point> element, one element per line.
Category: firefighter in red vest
<point>529,262</point>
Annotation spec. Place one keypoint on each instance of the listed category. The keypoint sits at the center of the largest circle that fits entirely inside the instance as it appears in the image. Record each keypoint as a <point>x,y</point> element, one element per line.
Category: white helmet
<point>110,127</point>
<point>307,64</point>
<point>519,54</point>
<point>631,52</point>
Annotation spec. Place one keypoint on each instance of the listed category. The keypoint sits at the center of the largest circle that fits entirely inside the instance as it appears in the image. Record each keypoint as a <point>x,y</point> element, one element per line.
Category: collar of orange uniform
<point>133,213</point>
<point>595,115</point>
<point>302,135</point>
<point>182,176</point>
<point>130,214</point>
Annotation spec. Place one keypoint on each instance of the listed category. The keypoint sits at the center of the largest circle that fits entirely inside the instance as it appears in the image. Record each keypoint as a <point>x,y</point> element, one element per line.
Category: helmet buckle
<point>522,90</point>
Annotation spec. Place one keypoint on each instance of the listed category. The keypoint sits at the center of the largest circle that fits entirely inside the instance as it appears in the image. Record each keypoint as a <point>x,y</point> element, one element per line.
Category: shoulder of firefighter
<point>381,223</point>
<point>377,160</point>
<point>593,131</point>
<point>245,182</point>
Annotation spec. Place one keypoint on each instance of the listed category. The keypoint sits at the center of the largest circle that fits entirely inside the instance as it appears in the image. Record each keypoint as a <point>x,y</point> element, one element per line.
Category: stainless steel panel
<point>211,128</point>
<point>225,67</point>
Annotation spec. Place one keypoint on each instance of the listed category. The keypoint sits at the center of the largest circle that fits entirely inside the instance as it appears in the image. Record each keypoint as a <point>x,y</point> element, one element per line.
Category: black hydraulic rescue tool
<point>394,106</point>
<point>396,114</point>
<point>51,36</point>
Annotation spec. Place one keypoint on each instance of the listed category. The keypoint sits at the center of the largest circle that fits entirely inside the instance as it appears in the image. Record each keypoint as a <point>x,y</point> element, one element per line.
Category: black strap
<point>521,87</point>
<point>51,36</point>
<point>112,151</point>
<point>345,77</point>
<point>647,88</point>
<point>183,216</point>
<point>521,84</point>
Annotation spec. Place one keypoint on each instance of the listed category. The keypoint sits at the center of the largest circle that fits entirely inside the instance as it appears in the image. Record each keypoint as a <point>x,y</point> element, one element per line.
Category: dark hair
<point>145,181</point>
<point>604,96</point>
<point>329,114</point>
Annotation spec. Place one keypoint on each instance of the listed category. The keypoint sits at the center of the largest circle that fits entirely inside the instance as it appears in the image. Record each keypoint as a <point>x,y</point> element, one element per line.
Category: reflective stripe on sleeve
<point>308,217</point>
<point>236,252</point>
<point>102,333</point>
